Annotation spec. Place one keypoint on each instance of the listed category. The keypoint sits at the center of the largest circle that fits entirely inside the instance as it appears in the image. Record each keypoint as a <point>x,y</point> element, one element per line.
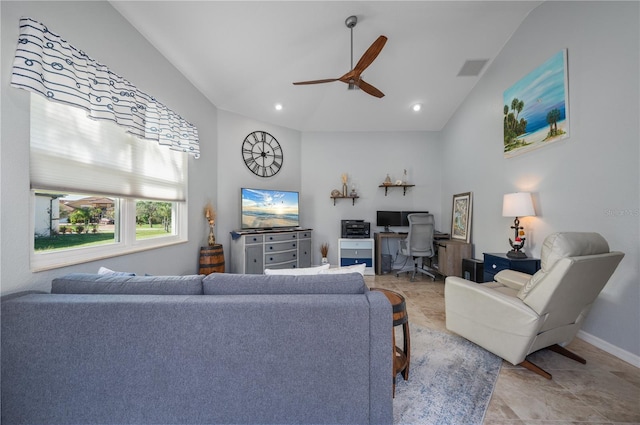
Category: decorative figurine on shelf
<point>324,251</point>
<point>404,177</point>
<point>345,178</point>
<point>210,215</point>
<point>387,181</point>
<point>353,192</point>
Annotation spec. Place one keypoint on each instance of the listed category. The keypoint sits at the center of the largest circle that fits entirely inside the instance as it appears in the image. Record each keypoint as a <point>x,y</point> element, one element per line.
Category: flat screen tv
<point>268,209</point>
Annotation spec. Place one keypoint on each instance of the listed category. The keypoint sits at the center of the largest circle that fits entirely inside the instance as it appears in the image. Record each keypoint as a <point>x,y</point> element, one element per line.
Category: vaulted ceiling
<point>244,56</point>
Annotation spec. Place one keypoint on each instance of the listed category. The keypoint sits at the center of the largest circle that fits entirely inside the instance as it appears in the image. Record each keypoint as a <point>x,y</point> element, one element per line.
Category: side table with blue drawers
<point>494,262</point>
<point>356,251</point>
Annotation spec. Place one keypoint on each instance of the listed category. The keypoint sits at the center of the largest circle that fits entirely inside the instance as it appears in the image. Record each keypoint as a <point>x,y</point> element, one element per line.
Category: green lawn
<point>74,240</point>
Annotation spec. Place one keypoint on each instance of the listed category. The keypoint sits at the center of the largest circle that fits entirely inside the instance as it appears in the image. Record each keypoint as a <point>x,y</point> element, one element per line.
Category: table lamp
<point>516,205</point>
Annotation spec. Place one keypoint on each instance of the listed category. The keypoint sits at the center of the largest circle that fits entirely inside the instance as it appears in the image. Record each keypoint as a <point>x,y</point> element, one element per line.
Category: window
<point>97,191</point>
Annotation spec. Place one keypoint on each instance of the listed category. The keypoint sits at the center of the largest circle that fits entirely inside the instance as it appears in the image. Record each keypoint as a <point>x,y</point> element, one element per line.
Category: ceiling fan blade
<point>370,55</point>
<point>329,80</point>
<point>368,88</point>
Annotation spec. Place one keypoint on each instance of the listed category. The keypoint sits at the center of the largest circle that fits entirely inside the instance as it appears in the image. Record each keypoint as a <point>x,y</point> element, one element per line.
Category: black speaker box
<point>385,266</point>
<point>473,270</point>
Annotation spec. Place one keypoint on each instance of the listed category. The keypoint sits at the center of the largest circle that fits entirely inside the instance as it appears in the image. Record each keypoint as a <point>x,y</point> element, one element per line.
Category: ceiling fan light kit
<point>353,78</point>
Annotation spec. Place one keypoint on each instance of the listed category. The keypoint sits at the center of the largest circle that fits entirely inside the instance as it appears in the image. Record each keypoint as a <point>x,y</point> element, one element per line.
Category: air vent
<point>472,68</point>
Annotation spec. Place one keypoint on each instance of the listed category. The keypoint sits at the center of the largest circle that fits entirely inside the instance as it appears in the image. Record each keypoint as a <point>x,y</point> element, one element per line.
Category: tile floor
<point>604,391</point>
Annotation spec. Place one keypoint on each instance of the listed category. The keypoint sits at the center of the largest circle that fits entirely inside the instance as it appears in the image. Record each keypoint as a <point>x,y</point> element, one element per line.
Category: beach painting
<point>536,108</point>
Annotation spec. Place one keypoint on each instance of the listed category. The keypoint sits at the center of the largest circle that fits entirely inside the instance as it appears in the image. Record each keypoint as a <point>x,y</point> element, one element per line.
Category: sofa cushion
<point>87,283</point>
<point>252,284</point>
<point>297,271</point>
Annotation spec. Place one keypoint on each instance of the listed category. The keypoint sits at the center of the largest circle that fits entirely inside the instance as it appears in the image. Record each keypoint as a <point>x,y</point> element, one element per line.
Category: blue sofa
<point>220,349</point>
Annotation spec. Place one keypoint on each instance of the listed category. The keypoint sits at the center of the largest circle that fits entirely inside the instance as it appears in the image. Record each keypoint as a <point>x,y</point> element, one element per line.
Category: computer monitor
<point>388,219</point>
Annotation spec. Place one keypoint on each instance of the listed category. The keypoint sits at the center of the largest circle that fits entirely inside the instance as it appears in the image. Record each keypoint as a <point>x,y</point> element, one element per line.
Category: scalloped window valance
<point>47,64</point>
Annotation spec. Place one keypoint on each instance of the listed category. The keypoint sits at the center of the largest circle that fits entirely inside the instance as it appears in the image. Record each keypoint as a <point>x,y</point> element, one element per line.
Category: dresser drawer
<point>356,253</point>
<point>493,263</point>
<point>356,244</point>
<point>286,265</point>
<point>280,257</point>
<point>280,246</point>
<point>251,239</point>
<point>353,261</point>
<point>279,237</point>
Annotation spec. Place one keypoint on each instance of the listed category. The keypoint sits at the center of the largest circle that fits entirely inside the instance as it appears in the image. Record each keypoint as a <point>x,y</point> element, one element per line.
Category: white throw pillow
<point>297,272</point>
<point>104,270</point>
<point>356,268</point>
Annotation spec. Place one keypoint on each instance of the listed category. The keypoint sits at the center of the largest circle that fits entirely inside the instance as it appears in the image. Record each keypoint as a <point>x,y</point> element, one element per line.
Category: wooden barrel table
<point>401,356</point>
<point>211,259</point>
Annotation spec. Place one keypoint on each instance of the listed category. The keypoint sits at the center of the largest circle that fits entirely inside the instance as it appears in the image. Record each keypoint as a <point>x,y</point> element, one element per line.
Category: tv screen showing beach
<point>268,209</point>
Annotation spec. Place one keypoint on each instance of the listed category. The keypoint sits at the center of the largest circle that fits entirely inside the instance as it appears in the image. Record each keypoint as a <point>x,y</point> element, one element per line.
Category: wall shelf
<point>353,198</point>
<point>403,186</point>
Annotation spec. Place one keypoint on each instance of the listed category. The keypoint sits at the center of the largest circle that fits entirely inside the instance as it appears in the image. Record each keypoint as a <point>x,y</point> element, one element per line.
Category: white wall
<point>589,182</point>
<point>99,30</point>
<point>367,157</point>
<point>313,165</point>
<point>232,173</point>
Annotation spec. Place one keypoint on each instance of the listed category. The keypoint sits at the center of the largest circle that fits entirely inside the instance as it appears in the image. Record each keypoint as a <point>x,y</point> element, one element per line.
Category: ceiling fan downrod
<point>351,22</point>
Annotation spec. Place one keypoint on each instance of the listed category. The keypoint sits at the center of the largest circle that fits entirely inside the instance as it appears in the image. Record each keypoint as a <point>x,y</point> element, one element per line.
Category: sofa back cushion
<point>87,283</point>
<point>253,284</point>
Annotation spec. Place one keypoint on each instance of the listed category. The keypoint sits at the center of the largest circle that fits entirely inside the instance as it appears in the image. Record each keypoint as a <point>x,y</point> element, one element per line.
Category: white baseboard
<point>610,348</point>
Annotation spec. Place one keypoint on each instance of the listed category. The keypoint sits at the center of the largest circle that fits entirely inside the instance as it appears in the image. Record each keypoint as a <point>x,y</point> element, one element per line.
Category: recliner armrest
<point>512,279</point>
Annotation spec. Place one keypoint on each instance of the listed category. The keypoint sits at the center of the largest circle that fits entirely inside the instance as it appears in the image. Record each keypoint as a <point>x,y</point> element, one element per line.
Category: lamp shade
<point>517,204</point>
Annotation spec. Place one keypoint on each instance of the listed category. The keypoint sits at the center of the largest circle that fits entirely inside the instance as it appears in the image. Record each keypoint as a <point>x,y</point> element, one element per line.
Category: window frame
<point>127,243</point>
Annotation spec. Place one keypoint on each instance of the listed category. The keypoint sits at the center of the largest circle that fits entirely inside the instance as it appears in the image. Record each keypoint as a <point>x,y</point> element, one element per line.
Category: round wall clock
<point>262,154</point>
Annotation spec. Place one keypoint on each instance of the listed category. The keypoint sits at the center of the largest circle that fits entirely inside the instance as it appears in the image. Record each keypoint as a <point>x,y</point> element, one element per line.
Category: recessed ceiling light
<point>416,107</point>
<point>278,106</point>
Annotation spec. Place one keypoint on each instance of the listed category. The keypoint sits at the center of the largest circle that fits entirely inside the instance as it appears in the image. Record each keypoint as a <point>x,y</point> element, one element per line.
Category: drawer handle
<point>270,247</point>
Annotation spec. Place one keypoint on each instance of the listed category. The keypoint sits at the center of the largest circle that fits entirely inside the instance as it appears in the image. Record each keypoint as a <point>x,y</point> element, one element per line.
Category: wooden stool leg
<point>407,349</point>
<point>393,363</point>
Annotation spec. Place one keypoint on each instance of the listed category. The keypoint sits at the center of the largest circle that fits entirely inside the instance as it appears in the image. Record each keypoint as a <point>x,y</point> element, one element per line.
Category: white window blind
<point>71,152</point>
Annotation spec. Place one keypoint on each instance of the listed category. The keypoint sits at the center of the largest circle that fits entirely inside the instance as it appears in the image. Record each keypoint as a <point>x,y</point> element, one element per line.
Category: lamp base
<point>516,254</point>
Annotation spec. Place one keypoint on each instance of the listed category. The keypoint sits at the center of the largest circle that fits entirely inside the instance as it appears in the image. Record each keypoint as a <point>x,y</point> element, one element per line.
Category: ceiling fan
<point>352,78</point>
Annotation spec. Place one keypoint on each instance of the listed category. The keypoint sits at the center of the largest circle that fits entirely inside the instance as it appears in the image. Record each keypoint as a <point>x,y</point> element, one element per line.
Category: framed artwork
<point>461,216</point>
<point>536,108</point>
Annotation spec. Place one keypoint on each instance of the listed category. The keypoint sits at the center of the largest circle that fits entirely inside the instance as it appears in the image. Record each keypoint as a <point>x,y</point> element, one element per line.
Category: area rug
<point>450,381</point>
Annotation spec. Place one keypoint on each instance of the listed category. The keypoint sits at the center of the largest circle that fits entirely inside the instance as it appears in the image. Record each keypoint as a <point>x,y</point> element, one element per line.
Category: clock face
<point>262,154</point>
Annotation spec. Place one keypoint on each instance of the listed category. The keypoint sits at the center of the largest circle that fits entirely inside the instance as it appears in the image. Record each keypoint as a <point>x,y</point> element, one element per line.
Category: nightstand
<point>494,262</point>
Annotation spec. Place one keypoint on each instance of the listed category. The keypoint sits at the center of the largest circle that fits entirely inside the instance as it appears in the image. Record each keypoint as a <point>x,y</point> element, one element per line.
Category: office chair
<point>418,245</point>
<point>519,314</point>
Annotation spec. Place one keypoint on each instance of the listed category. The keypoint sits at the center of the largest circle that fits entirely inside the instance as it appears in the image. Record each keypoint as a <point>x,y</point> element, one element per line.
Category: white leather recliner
<point>519,314</point>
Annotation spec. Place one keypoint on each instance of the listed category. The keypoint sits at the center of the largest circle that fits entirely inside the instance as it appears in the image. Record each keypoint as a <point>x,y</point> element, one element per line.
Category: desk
<point>396,237</point>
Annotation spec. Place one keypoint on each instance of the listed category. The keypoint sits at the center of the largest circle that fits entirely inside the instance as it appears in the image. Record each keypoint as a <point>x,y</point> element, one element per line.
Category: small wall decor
<point>461,216</point>
<point>536,108</point>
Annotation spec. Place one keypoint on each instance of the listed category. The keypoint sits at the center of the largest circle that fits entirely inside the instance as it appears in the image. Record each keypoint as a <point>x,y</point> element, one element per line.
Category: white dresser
<point>357,251</point>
